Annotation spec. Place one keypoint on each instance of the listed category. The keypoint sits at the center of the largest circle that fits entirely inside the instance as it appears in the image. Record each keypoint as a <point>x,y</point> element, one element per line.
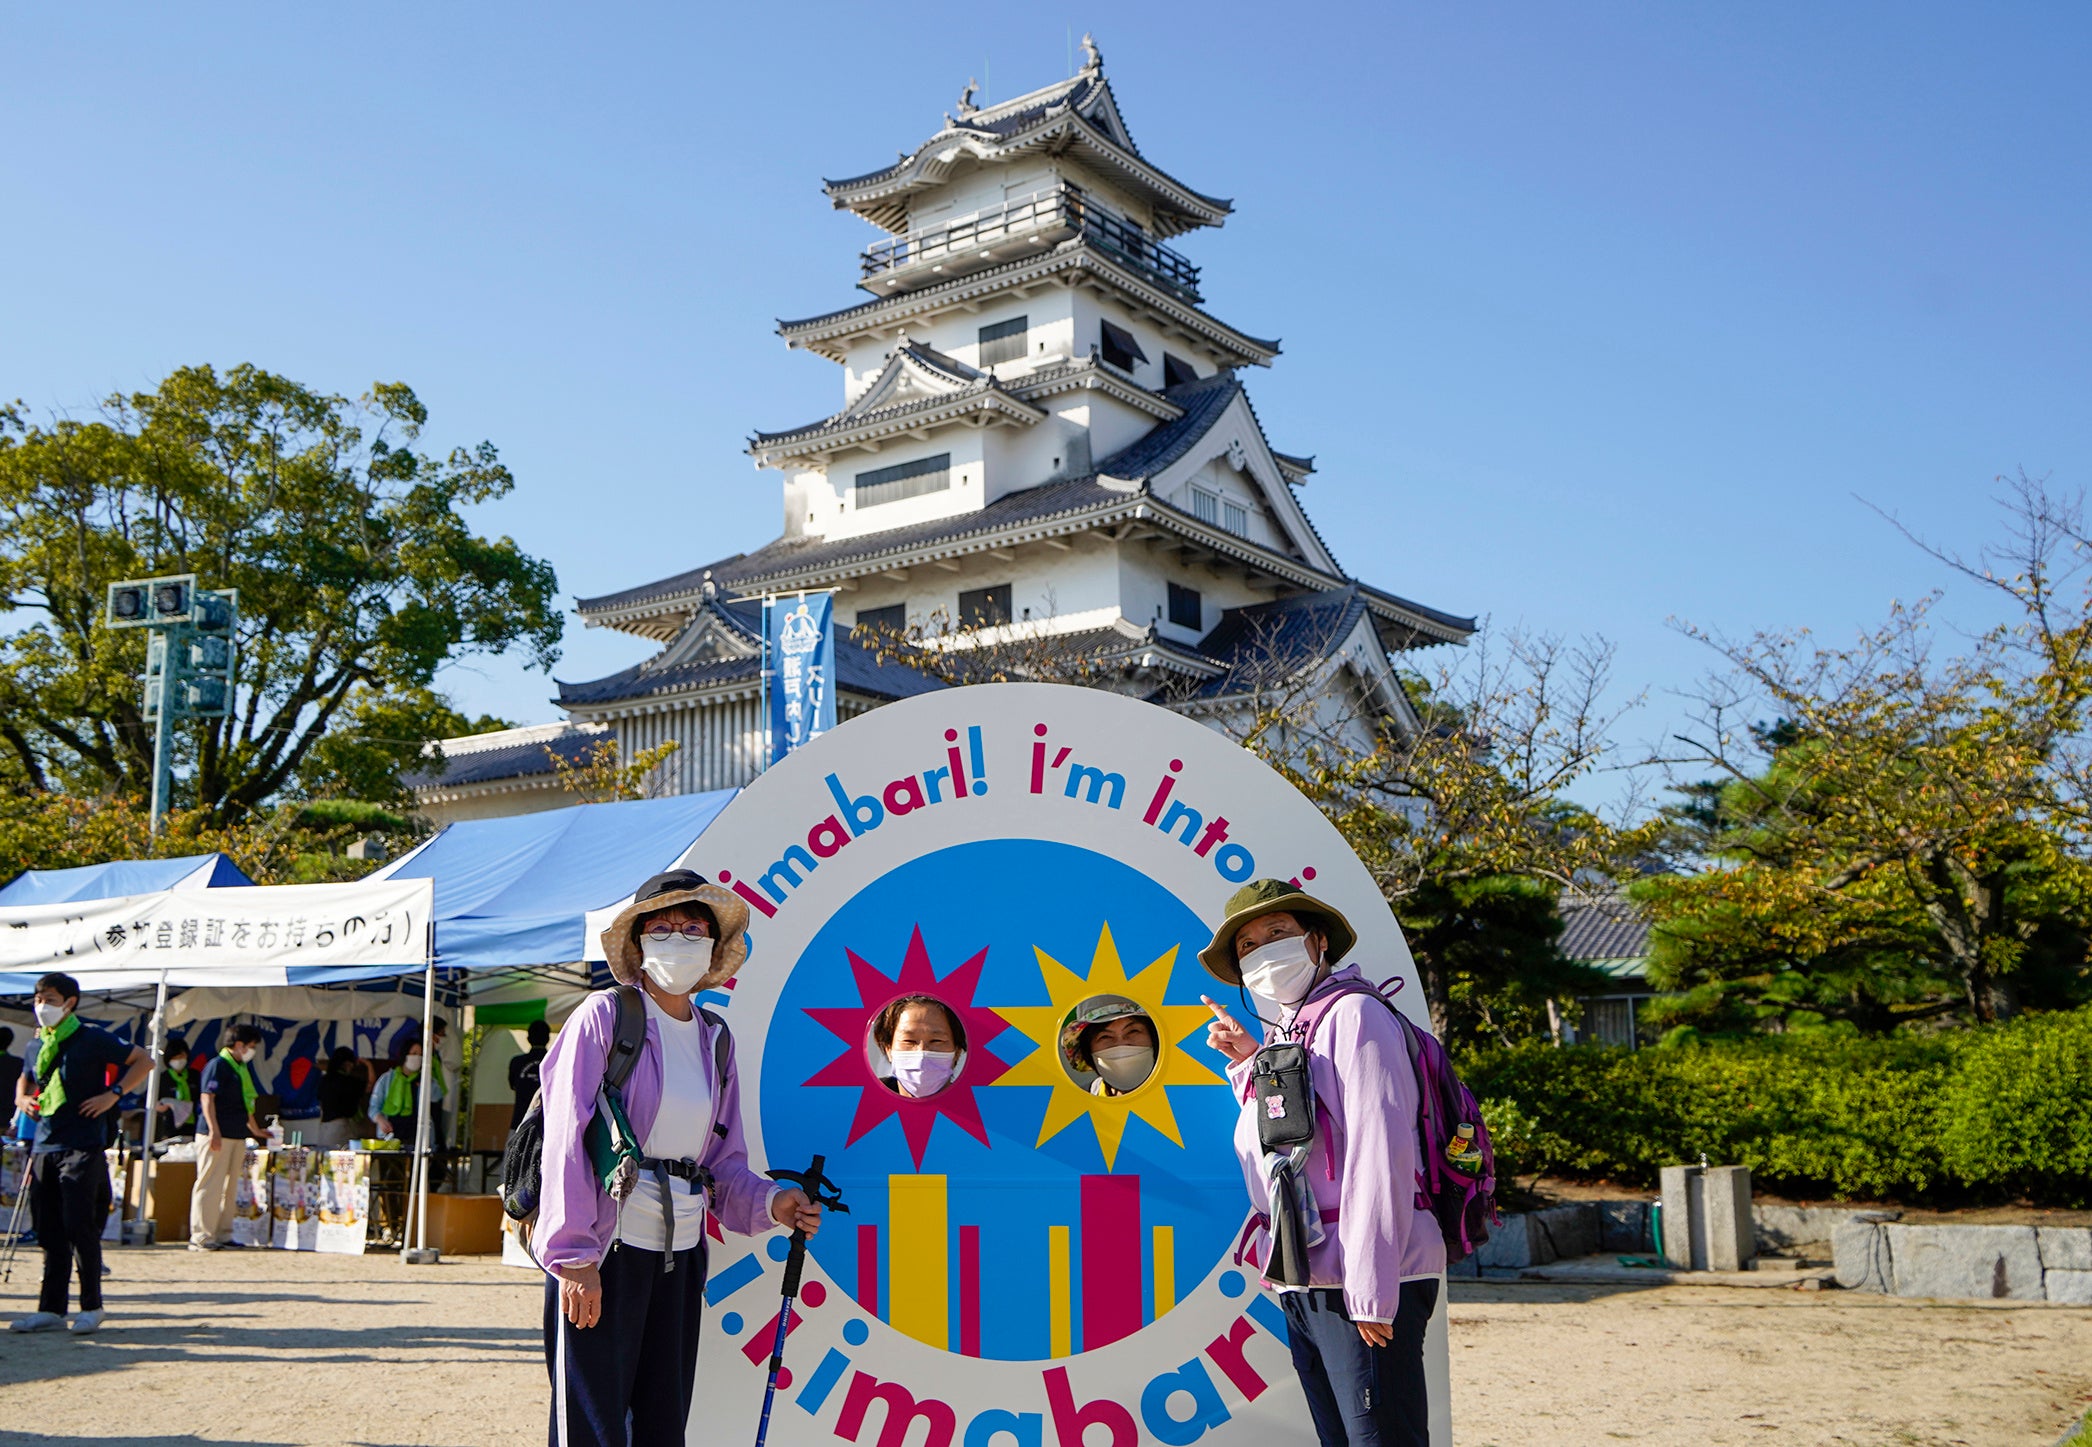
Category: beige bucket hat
<point>665,891</point>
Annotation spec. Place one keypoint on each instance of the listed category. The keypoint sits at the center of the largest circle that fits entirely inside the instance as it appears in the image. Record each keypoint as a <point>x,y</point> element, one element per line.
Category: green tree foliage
<point>1907,841</point>
<point>380,736</point>
<point>358,575</point>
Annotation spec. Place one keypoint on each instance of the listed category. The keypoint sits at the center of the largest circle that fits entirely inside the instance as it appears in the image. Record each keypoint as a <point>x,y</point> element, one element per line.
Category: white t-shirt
<point>681,1131</point>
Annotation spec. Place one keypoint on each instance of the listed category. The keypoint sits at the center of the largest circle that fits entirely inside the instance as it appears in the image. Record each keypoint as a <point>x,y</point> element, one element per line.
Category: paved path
<point>283,1348</point>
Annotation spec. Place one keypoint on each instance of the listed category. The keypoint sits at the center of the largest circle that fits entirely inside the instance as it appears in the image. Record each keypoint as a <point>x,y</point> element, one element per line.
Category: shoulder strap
<point>722,1062</point>
<point>627,1039</point>
<point>1322,1006</point>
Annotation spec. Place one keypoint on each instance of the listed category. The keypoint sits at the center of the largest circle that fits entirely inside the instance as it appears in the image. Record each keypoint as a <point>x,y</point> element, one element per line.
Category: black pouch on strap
<point>1283,1096</point>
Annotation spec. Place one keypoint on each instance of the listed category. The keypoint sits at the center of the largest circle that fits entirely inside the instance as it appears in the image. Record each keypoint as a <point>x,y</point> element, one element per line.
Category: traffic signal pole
<point>163,731</point>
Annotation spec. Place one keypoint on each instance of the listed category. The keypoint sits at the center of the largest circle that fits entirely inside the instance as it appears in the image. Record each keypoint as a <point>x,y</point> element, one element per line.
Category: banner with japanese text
<point>799,656</point>
<point>268,935</point>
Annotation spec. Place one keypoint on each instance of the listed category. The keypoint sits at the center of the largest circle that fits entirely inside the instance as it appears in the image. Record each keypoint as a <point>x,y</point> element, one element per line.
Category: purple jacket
<point>576,1217</point>
<point>1363,1166</point>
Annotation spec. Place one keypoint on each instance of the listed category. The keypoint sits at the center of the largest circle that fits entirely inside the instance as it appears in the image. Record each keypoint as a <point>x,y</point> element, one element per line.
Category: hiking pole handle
<point>795,1263</point>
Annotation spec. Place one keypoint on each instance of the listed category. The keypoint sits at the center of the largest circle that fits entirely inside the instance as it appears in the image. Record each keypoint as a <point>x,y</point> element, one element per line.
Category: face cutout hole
<point>1109,1040</point>
<point>916,1046</point>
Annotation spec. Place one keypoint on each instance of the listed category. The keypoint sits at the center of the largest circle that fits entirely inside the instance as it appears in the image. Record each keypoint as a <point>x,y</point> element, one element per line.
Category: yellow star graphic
<point>1069,1102</point>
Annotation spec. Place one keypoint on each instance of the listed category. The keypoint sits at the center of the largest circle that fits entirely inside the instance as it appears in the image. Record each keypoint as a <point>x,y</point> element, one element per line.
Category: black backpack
<point>522,1163</point>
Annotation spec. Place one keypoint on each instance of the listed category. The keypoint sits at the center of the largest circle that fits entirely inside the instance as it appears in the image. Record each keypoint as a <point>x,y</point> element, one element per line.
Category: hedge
<point>2003,1111</point>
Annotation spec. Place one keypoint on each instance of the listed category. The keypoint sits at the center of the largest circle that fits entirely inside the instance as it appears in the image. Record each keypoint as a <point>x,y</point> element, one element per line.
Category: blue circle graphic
<point>779,1247</point>
<point>855,1332</point>
<point>731,1323</point>
<point>1022,1218</point>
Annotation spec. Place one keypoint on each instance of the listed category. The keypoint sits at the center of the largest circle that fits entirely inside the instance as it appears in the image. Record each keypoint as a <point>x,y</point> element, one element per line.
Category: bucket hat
<point>1272,896</point>
<point>664,891</point>
<point>1097,1010</point>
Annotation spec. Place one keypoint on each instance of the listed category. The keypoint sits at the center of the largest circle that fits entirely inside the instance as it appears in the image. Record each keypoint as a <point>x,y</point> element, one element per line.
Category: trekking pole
<point>14,1224</point>
<point>822,1192</point>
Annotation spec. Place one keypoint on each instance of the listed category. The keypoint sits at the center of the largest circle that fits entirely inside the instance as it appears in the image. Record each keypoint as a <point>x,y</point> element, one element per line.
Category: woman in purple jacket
<point>1356,1308</point>
<point>624,1287</point>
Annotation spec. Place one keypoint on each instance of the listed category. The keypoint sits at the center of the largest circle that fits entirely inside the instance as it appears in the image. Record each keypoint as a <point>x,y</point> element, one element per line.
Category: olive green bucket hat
<point>1272,896</point>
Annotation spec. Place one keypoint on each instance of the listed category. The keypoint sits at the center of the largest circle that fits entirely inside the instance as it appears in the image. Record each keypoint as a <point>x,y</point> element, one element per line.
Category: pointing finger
<point>1220,1012</point>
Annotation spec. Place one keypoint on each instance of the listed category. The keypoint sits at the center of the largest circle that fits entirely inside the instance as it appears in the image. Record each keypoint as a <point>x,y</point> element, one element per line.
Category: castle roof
<point>1116,491</point>
<point>1078,116</point>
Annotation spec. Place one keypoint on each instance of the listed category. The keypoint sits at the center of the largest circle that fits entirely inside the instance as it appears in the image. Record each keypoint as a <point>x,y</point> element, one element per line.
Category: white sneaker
<point>86,1322</point>
<point>37,1321</point>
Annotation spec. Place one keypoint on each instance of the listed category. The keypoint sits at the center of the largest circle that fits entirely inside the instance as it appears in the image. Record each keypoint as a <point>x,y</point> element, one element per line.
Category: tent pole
<point>418,1252</point>
<point>135,1234</point>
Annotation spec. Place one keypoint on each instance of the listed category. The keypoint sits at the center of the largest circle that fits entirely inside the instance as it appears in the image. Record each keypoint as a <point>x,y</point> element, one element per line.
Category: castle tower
<point>1044,435</point>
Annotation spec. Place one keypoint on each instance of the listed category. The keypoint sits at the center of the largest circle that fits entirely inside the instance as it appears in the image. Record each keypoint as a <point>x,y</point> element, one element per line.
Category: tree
<point>603,776</point>
<point>1463,816</point>
<point>379,736</point>
<point>358,575</point>
<point>1907,842</point>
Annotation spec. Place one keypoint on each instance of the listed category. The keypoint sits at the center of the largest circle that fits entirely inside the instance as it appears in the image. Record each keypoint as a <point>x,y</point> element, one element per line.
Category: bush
<point>2003,1110</point>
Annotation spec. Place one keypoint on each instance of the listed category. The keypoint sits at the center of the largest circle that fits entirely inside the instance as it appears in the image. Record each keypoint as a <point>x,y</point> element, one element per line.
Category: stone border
<point>1966,1263</point>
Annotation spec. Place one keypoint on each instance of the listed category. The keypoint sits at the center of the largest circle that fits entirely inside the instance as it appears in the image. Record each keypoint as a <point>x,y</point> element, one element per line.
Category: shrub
<point>2002,1110</point>
<point>2018,1114</point>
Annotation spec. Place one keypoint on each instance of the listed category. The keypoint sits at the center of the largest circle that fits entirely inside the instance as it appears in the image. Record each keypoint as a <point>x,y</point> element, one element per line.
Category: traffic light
<point>151,602</point>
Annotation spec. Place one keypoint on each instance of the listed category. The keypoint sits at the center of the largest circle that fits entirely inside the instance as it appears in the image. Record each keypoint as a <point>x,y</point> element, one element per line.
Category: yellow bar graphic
<point>1060,1293</point>
<point>918,1262</point>
<point>1165,1269</point>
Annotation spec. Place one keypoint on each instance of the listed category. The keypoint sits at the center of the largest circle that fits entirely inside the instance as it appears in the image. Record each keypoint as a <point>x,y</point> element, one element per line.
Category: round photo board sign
<point>1028,1259</point>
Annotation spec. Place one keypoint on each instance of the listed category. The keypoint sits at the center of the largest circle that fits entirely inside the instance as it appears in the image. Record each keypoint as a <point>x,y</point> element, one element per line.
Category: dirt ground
<point>272,1347</point>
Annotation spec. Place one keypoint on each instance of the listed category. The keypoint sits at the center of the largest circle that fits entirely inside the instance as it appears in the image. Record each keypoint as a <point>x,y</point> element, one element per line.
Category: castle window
<point>984,607</point>
<point>1003,342</point>
<point>1184,609</point>
<point>1120,347</point>
<point>885,621</point>
<point>1235,518</point>
<point>1176,371</point>
<point>906,479</point>
<point>1205,506</point>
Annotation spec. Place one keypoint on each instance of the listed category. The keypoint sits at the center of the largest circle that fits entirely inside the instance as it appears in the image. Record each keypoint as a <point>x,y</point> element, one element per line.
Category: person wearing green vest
<point>228,1098</point>
<point>72,1087</point>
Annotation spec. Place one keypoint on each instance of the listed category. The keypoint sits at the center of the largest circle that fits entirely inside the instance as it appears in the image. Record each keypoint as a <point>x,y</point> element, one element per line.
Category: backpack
<point>1463,1204</point>
<point>522,1163</point>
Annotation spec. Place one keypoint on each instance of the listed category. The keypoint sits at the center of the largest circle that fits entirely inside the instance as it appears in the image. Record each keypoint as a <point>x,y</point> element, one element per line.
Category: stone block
<point>2069,1288</point>
<point>1623,1225</point>
<point>1464,1270</point>
<point>1860,1256</point>
<point>2065,1248</point>
<point>1570,1231</point>
<point>1966,1262</point>
<point>1513,1244</point>
<point>1791,1228</point>
<point>1684,1243</point>
<point>1731,1239</point>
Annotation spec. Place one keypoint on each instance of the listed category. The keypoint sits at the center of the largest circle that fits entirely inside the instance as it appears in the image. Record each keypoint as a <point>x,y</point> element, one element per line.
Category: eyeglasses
<point>696,929</point>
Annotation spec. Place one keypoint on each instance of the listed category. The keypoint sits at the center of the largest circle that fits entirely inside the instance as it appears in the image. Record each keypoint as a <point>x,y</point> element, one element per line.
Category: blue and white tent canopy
<point>122,877</point>
<point>516,893</point>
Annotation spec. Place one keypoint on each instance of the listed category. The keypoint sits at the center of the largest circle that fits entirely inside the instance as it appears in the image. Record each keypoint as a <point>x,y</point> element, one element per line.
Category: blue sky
<point>1593,316</point>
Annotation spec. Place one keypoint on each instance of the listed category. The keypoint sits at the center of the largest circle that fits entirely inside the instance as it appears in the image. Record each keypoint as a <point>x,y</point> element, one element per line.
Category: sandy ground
<point>271,1347</point>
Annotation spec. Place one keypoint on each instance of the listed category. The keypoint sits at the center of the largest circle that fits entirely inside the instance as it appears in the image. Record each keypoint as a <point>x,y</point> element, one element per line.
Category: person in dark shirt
<point>342,1091</point>
<point>523,1070</point>
<point>177,1106</point>
<point>69,1089</point>
<point>221,1147</point>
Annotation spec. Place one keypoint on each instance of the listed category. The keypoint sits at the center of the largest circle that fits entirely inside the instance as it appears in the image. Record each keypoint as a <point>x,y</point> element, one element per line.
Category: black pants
<point>639,1358</point>
<point>69,1201</point>
<point>1359,1395</point>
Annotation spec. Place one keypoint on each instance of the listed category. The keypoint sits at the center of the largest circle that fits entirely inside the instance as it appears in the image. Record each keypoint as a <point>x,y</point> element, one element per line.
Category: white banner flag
<point>262,935</point>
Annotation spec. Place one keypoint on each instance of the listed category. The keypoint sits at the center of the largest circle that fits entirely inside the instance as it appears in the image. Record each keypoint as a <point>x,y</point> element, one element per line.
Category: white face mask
<point>923,1072</point>
<point>675,964</point>
<point>412,1065</point>
<point>1282,972</point>
<point>49,1015</point>
<point>1122,1067</point>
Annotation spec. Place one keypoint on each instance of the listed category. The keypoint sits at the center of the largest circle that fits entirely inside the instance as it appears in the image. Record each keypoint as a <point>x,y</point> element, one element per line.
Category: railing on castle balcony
<point>1025,225</point>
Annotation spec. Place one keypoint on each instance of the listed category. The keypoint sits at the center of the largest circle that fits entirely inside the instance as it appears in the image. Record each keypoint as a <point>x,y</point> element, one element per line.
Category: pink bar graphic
<point>1111,1264</point>
<point>969,1291</point>
<point>868,1268</point>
